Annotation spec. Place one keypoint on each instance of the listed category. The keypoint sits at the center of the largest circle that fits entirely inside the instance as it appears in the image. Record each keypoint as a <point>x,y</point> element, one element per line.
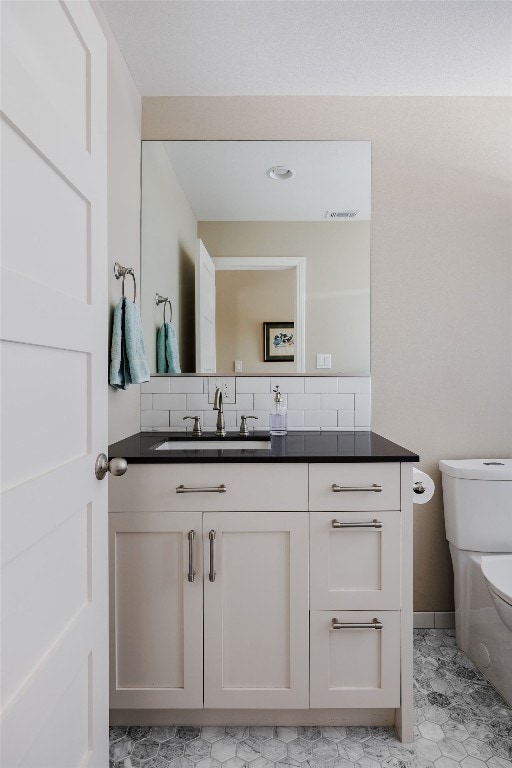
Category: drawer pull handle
<point>212,574</point>
<point>375,624</point>
<point>191,572</point>
<point>346,488</point>
<point>215,489</point>
<point>373,524</point>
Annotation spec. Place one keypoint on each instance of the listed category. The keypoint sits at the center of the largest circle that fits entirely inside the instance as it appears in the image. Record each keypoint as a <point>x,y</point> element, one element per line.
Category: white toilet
<point>478,518</point>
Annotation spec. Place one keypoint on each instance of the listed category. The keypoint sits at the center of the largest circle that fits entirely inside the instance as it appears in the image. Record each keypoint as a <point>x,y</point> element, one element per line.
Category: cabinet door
<point>355,560</point>
<point>156,604</point>
<point>355,659</point>
<point>256,610</point>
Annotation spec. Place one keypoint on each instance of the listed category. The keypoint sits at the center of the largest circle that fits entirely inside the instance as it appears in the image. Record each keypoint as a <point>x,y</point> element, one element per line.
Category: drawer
<point>356,666</point>
<point>248,488</point>
<point>355,560</point>
<point>365,487</point>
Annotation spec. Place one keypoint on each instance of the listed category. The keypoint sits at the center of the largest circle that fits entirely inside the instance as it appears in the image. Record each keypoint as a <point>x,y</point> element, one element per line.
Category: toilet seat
<point>498,574</point>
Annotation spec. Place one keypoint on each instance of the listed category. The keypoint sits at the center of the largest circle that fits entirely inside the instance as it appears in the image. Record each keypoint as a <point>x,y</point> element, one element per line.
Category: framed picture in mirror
<point>278,342</point>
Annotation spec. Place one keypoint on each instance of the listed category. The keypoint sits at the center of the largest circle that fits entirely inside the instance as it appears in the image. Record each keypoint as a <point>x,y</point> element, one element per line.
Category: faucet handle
<point>244,430</point>
<point>196,429</point>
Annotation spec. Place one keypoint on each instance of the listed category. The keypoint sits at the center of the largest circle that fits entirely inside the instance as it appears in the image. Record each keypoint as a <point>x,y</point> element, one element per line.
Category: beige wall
<point>441,268</point>
<point>123,177</point>
<point>244,301</point>
<point>168,245</point>
<point>337,280</point>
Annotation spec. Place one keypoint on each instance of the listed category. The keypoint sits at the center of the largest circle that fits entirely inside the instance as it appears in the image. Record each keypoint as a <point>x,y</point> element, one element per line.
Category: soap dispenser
<point>278,415</point>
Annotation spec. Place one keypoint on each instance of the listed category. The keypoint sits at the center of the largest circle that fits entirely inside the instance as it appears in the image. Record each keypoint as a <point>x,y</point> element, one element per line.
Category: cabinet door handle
<point>373,524</point>
<point>346,488</point>
<point>212,574</point>
<point>191,572</point>
<point>375,624</point>
<point>214,489</point>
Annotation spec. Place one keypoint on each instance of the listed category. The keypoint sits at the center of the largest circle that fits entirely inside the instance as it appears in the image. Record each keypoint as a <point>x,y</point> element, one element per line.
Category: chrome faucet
<point>217,406</point>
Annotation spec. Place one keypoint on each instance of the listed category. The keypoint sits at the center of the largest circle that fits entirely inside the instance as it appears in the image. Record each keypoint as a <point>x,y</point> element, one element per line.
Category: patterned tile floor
<point>461,722</point>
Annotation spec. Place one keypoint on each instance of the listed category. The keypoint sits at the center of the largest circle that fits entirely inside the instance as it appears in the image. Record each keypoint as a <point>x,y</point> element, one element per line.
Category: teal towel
<point>128,354</point>
<point>167,355</point>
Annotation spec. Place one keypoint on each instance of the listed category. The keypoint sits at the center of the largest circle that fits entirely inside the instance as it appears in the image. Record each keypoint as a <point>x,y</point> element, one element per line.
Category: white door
<point>54,390</point>
<point>256,652</point>
<point>205,311</point>
<point>156,609</point>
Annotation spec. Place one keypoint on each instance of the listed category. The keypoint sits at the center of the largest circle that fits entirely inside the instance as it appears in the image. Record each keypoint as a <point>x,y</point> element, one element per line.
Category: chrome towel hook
<point>164,300</point>
<point>120,271</point>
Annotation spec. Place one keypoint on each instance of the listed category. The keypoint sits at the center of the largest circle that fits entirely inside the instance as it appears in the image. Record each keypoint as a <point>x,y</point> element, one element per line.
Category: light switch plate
<point>227,387</point>
<point>323,361</point>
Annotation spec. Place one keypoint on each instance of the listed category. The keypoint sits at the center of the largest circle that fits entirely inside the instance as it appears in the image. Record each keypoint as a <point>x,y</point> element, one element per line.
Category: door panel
<point>256,610</point>
<point>54,386</point>
<point>156,611</point>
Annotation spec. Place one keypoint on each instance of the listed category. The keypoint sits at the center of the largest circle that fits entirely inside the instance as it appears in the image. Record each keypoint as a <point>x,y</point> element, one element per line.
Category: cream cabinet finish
<point>376,487</point>
<point>354,665</point>
<point>270,646</point>
<point>256,651</point>
<point>355,560</point>
<point>256,623</point>
<point>156,637</point>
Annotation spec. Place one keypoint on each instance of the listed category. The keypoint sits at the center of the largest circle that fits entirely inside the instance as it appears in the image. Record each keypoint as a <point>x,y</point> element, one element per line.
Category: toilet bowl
<point>477,495</point>
<point>497,573</point>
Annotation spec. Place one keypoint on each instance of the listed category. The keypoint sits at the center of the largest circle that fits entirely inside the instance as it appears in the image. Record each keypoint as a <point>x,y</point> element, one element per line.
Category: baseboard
<point>434,620</point>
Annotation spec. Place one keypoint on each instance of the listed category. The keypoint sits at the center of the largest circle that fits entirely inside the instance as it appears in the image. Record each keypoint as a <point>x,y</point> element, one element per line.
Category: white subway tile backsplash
<point>320,418</point>
<point>187,384</point>
<point>259,384</point>
<point>288,383</point>
<point>308,402</point>
<point>362,411</point>
<point>169,402</point>
<point>313,402</point>
<point>154,418</point>
<point>358,384</point>
<point>295,419</point>
<point>346,419</point>
<point>210,419</point>
<point>197,402</point>
<point>338,402</point>
<point>320,384</point>
<point>265,402</point>
<point>242,401</point>
<point>160,384</point>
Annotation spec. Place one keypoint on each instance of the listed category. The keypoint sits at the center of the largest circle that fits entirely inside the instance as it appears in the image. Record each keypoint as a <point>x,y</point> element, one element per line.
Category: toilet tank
<point>477,496</point>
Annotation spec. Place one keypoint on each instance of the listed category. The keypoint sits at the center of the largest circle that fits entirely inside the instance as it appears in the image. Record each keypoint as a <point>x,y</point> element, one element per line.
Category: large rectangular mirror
<point>263,250</point>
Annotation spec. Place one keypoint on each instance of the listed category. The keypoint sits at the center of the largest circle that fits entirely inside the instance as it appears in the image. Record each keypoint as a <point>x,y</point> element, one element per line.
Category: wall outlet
<point>226,385</point>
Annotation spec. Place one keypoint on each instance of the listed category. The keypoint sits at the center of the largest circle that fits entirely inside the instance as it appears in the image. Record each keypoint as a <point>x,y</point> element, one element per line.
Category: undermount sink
<point>219,444</point>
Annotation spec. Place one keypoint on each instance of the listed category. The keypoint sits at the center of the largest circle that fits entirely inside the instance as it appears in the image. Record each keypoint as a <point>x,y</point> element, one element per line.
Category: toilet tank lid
<point>477,469</point>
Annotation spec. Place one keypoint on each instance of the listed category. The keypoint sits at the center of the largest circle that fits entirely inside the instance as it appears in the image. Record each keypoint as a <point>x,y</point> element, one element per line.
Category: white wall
<point>124,135</point>
<point>441,268</point>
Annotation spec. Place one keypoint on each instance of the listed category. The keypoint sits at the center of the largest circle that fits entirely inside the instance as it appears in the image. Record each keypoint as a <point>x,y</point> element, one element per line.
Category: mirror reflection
<point>263,250</point>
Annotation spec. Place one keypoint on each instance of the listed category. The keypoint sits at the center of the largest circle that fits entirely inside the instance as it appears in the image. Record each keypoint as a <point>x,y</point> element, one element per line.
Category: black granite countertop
<point>296,446</point>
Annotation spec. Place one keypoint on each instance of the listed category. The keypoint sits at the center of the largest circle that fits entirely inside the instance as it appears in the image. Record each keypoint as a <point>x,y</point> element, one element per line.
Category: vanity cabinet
<point>238,578</point>
<point>293,593</point>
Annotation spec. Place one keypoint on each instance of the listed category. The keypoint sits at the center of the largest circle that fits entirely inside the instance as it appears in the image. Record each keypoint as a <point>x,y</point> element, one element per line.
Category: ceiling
<point>332,176</point>
<point>315,47</point>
